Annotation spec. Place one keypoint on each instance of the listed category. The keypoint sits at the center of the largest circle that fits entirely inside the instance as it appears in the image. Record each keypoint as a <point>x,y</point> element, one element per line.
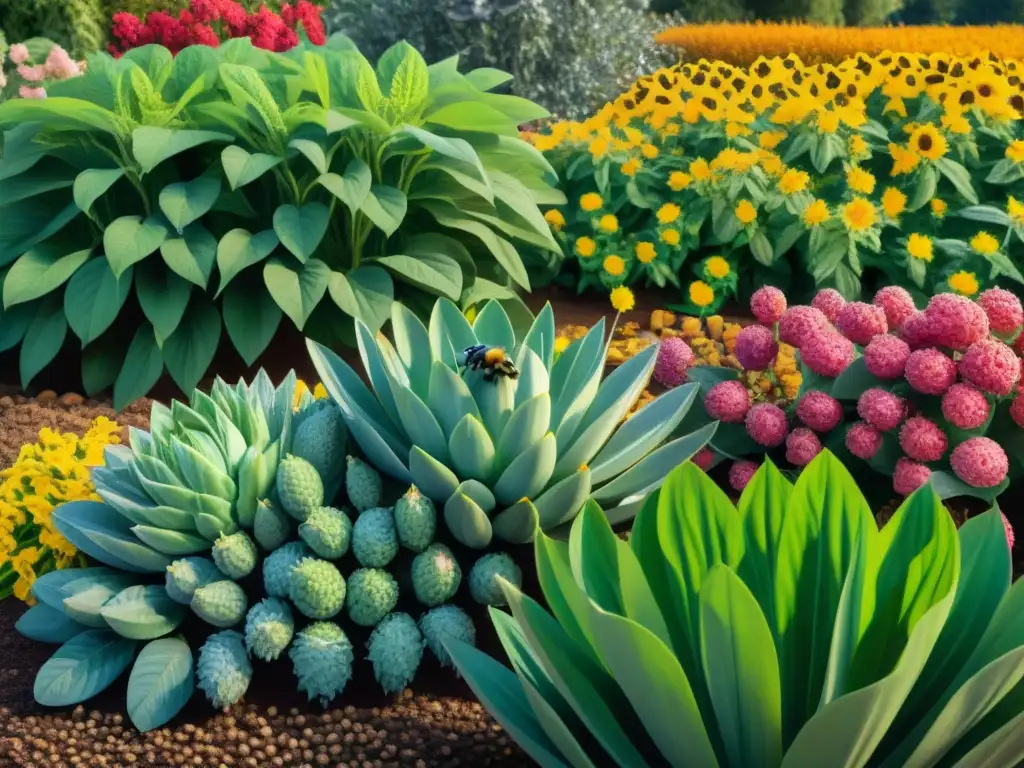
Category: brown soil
<point>437,723</point>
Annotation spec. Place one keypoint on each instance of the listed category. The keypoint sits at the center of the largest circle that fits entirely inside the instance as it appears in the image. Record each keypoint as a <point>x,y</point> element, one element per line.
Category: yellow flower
<point>645,252</point>
<point>828,122</point>
<point>858,146</point>
<point>614,265</point>
<point>608,223</point>
<point>793,181</point>
<point>859,214</point>
<point>320,392</point>
<point>670,236</point>
<point>717,267</point>
<point>555,218</point>
<point>816,213</point>
<point>668,213</point>
<point>746,212</point>
<point>771,163</point>
<point>860,180</point>
<point>591,202</point>
<point>771,139</point>
<point>598,147</point>
<point>928,142</point>
<point>622,299</point>
<point>938,207</point>
<point>964,283</point>
<point>894,202</point>
<point>561,344</point>
<point>630,167</point>
<point>1015,151</point>
<point>700,170</point>
<point>678,181</point>
<point>585,247</point>
<point>920,247</point>
<point>649,151</point>
<point>984,244</point>
<point>1015,210</point>
<point>701,293</point>
<point>903,160</point>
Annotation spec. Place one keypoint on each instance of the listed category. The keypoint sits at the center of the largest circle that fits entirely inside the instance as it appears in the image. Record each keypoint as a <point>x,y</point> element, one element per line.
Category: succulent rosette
<point>504,456</point>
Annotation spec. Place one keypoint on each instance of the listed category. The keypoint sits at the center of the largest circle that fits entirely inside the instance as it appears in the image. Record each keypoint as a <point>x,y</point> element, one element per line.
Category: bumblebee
<point>494,361</point>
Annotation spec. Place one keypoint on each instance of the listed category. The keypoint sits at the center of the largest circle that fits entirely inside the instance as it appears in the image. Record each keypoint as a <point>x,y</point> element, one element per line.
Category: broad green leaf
<point>251,317</point>
<point>386,207</point>
<point>101,362</point>
<point>241,167</point>
<point>239,249</point>
<point>142,368</point>
<point>431,271</point>
<point>312,152</point>
<point>410,84</point>
<point>43,339</point>
<point>82,667</point>
<point>472,116</point>
<point>365,293</point>
<point>741,669</point>
<point>564,595</point>
<point>301,230</point>
<point>191,256</point>
<point>297,291</point>
<point>143,612</point>
<point>367,87</point>
<point>45,624</point>
<point>59,112</point>
<point>189,351</point>
<point>353,187</point>
<point>487,78</point>
<point>163,297</point>
<point>151,145</point>
<point>41,271</point>
<point>959,177</point>
<point>130,239</point>
<point>186,201</point>
<point>94,298</point>
<point>161,682</point>
<point>92,184</point>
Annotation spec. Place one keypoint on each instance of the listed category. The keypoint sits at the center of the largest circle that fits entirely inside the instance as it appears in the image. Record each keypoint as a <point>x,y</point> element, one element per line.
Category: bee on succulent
<point>493,360</point>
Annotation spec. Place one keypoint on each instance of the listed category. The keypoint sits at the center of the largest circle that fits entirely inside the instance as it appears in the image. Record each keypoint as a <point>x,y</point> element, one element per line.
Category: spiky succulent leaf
<point>171,542</point>
<point>415,520</point>
<point>278,565</point>
<point>224,670</point>
<point>269,627</point>
<point>444,623</point>
<point>235,555</point>
<point>221,603</point>
<point>471,449</point>
<point>317,588</point>
<point>363,484</point>
<point>299,487</point>
<point>484,584</point>
<point>271,527</point>
<point>322,659</point>
<point>374,538</point>
<point>467,521</point>
<point>436,575</point>
<point>517,524</point>
<point>187,575</point>
<point>328,532</point>
<point>431,476</point>
<point>372,595</point>
<point>395,650</point>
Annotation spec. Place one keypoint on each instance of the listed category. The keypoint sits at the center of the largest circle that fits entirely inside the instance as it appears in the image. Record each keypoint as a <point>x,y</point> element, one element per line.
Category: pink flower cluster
<point>210,22</point>
<point>58,66</point>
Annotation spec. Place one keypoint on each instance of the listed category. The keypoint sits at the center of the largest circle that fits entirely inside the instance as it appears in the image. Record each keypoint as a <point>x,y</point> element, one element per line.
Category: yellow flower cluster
<point>627,340</point>
<point>301,388</point>
<point>744,43</point>
<point>46,474</point>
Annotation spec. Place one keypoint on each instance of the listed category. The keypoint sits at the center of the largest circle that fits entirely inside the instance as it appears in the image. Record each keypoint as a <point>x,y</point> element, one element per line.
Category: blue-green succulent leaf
<point>471,449</point>
<point>84,666</point>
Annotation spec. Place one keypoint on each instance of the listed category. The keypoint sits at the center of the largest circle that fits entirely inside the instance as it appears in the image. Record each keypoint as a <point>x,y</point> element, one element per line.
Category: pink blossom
<point>31,74</point>
<point>980,462</point>
<point>1017,410</point>
<point>830,302</point>
<point>704,458</point>
<point>727,401</point>
<point>908,476</point>
<point>881,408</point>
<point>917,331</point>
<point>827,353</point>
<point>991,366</point>
<point>797,324</point>
<point>930,371</point>
<point>819,411</point>
<point>922,440</point>
<point>60,66</point>
<point>767,424</point>
<point>18,53</point>
<point>897,303</point>
<point>886,356</point>
<point>674,357</point>
<point>1009,531</point>
<point>966,407</point>
<point>756,347</point>
<point>768,304</point>
<point>860,322</point>
<point>1005,314</point>
<point>802,446</point>
<point>956,321</point>
<point>741,473</point>
<point>31,93</point>
<point>863,440</point>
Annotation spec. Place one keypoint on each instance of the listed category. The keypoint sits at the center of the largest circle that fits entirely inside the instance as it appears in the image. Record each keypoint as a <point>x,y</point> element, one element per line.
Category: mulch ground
<point>436,723</point>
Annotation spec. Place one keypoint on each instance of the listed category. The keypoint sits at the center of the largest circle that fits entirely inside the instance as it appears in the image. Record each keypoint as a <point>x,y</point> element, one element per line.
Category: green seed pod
<point>272,526</point>
<point>221,604</point>
<point>436,575</point>
<point>483,578</point>
<point>322,659</point>
<point>277,568</point>
<point>374,539</point>
<point>299,487</point>
<point>321,439</point>
<point>372,595</point>
<point>327,531</point>
<point>235,555</point>
<point>269,627</point>
<point>185,576</point>
<point>443,622</point>
<point>317,588</point>
<point>395,650</point>
<point>363,484</point>
<point>224,669</point>
<point>415,520</point>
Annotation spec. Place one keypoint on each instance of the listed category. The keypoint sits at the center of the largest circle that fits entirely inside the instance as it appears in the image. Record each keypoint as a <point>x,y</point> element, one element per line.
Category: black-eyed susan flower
<point>1015,151</point>
<point>894,202</point>
<point>964,283</point>
<point>771,139</point>
<point>903,160</point>
<point>928,142</point>
<point>700,169</point>
<point>984,243</point>
<point>920,247</point>
<point>645,252</point>
<point>622,299</point>
<point>859,214</point>
<point>815,213</point>
<point>649,151</point>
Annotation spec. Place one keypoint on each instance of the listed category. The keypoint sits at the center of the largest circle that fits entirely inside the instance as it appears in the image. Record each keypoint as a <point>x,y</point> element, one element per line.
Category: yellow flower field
<point>743,44</point>
<point>897,168</point>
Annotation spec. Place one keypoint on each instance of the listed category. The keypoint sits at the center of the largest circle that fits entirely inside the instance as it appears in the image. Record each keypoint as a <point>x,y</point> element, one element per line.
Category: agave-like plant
<point>789,632</point>
<point>195,476</point>
<point>507,455</point>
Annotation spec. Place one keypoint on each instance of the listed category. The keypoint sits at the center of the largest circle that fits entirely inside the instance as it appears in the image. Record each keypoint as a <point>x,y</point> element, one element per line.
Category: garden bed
<point>438,722</point>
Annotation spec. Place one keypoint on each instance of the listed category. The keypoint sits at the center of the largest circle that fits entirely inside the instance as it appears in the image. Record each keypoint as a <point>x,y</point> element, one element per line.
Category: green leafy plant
<point>506,456</point>
<point>236,486</point>
<point>314,185</point>
<point>789,631</point>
